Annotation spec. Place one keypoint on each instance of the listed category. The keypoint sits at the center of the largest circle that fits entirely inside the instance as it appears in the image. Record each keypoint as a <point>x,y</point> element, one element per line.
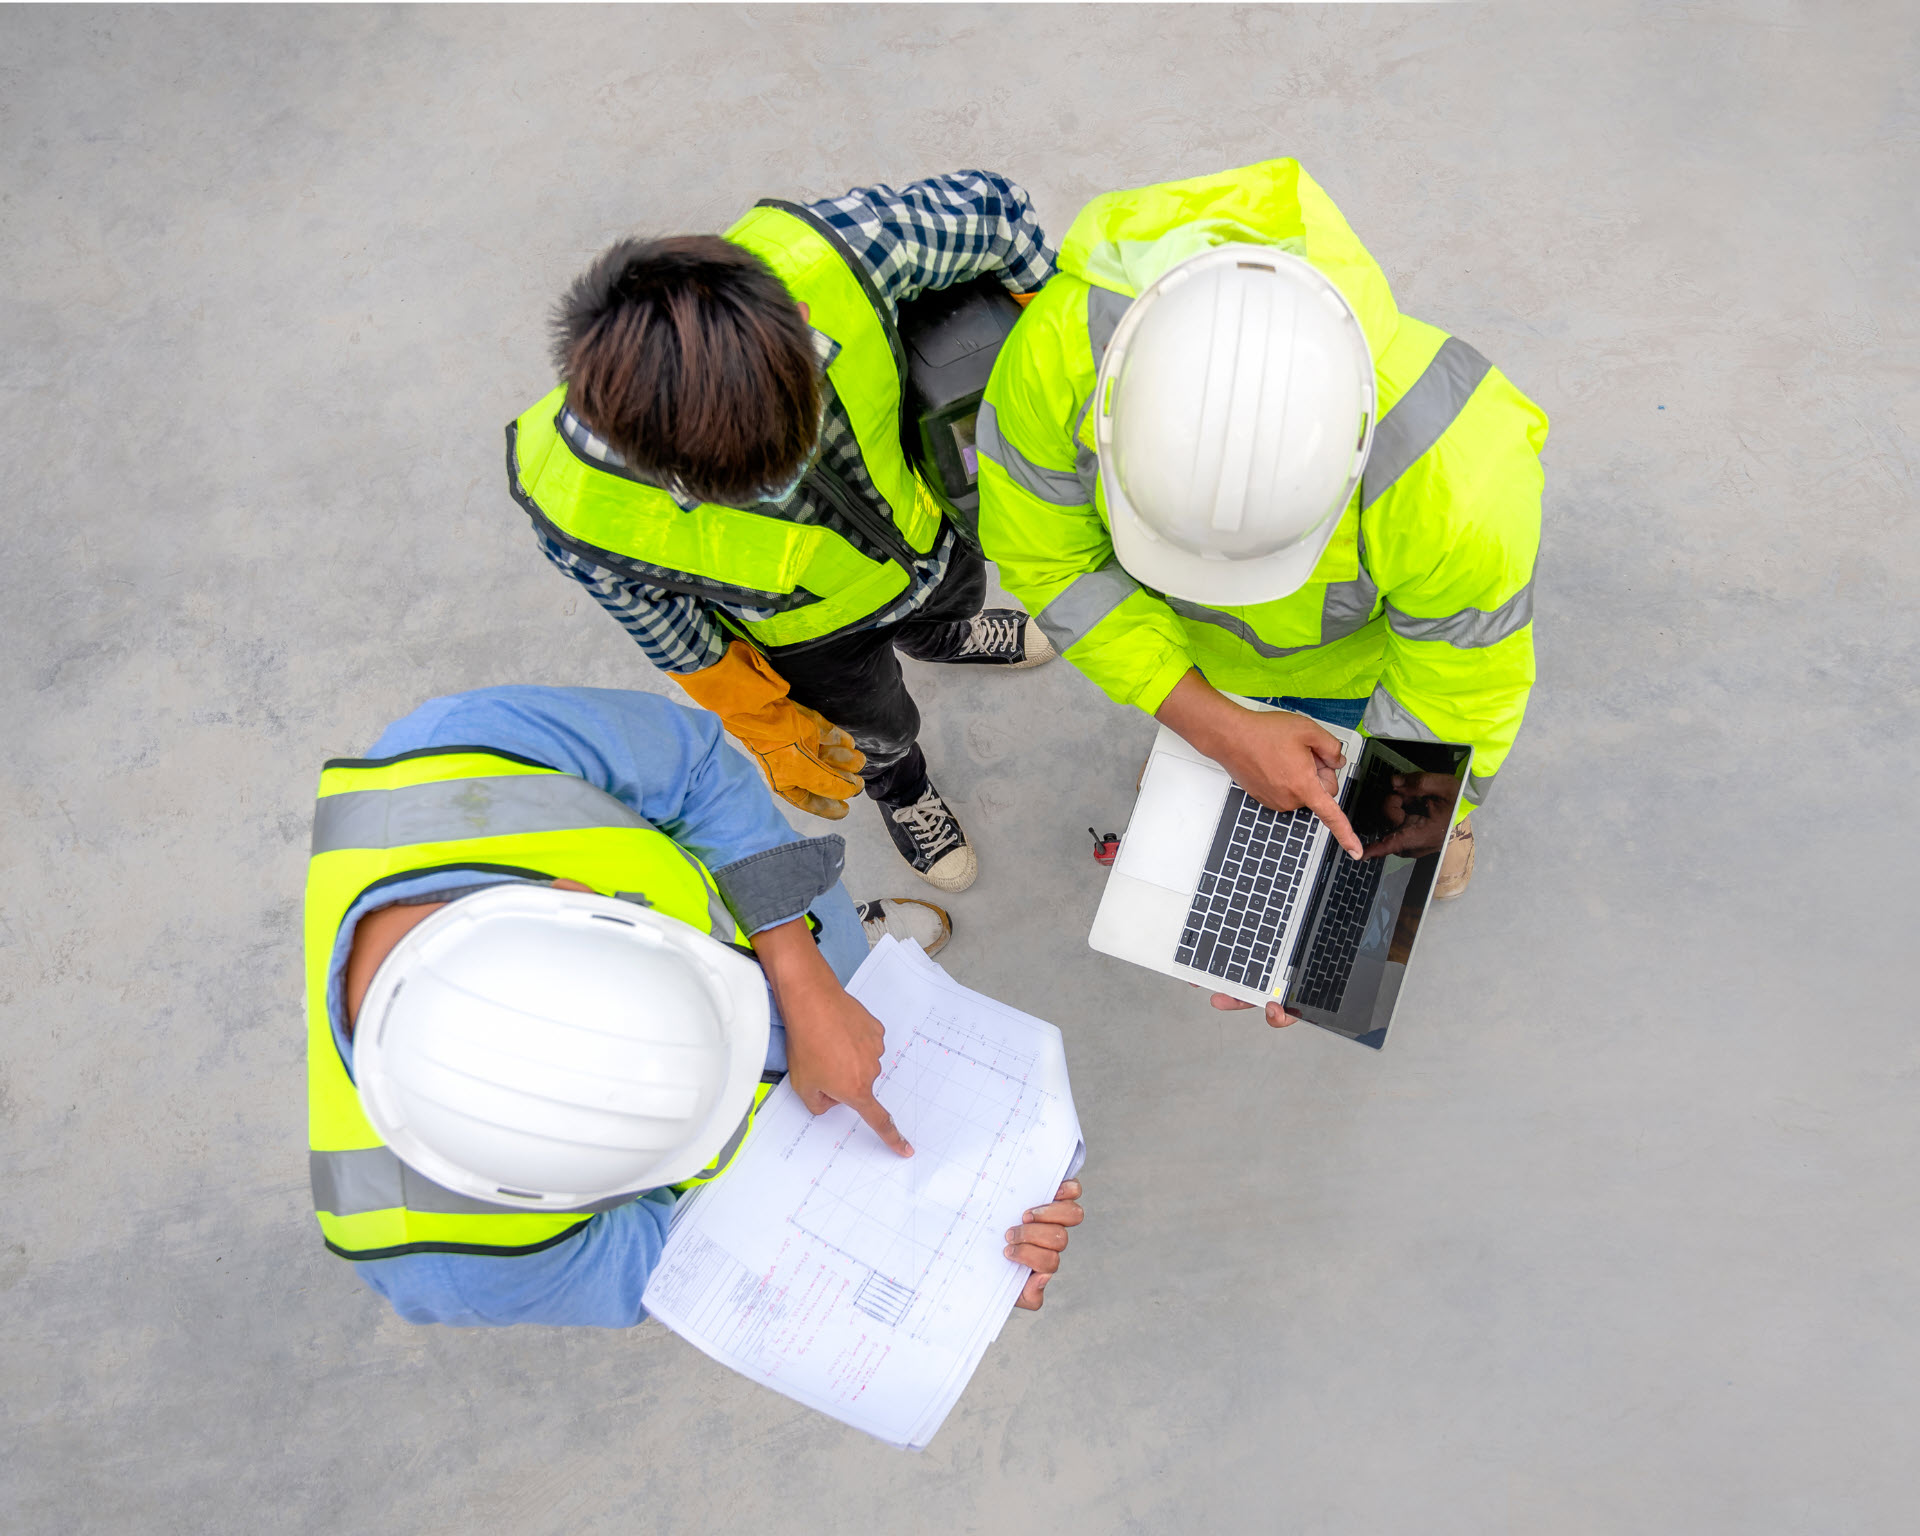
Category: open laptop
<point>1213,887</point>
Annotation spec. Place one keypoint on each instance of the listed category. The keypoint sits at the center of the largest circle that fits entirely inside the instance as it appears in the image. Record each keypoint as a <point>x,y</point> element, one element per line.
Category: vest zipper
<point>850,507</point>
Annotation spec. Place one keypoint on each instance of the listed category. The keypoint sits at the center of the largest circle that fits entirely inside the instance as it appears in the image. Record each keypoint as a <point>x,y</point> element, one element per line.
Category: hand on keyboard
<point>1284,760</point>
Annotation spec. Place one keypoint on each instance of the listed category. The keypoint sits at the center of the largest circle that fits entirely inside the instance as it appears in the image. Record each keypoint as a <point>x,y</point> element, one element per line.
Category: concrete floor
<point>1617,1236</point>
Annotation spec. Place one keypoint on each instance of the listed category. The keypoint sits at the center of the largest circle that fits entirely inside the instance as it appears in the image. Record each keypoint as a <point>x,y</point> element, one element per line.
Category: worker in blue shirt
<point>560,945</point>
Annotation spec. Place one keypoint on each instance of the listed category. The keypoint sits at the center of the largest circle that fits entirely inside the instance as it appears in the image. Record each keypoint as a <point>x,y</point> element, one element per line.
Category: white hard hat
<point>551,1049</point>
<point>1234,411</point>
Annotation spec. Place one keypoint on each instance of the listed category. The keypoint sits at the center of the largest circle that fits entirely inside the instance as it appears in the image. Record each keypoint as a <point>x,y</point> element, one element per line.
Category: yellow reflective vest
<point>810,579</point>
<point>452,809</point>
<point>1422,602</point>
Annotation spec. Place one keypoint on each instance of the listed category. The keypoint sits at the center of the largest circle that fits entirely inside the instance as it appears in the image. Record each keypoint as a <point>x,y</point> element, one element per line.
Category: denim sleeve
<point>594,1279</point>
<point>667,761</point>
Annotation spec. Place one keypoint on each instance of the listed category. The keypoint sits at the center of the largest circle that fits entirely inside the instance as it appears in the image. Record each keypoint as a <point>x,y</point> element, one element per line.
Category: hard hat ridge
<point>1234,410</point>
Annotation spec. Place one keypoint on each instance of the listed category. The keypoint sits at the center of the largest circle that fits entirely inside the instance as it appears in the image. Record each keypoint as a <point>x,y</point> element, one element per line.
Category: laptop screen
<point>1352,953</point>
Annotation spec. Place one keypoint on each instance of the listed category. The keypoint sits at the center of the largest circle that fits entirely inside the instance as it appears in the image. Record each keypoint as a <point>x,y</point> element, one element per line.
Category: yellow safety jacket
<point>810,579</point>
<point>383,820</point>
<point>1422,602</point>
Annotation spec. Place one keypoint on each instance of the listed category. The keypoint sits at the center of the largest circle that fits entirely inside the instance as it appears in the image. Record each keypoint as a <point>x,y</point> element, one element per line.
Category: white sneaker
<point>906,918</point>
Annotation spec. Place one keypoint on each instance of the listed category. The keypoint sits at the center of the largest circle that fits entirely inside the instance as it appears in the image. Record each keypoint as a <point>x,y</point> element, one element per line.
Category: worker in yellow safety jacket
<point>722,467</point>
<point>560,946</point>
<point>1216,459</point>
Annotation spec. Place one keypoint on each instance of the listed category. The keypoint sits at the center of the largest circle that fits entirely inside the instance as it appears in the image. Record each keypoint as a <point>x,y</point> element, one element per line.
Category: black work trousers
<point>854,679</point>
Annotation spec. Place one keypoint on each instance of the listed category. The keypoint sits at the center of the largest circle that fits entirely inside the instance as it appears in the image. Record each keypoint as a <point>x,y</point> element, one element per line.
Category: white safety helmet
<point>1234,411</point>
<point>553,1049</point>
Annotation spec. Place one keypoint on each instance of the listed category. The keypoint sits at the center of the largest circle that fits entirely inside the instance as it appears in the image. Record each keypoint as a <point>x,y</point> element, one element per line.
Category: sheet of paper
<point>861,1283</point>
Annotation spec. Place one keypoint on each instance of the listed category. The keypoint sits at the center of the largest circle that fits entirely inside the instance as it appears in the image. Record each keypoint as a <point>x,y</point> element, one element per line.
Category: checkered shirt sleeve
<point>676,632</point>
<point>941,231</point>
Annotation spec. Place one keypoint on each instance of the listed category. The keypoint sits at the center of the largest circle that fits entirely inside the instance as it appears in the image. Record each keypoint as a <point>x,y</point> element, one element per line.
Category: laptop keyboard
<point>1336,942</point>
<point>1254,872</point>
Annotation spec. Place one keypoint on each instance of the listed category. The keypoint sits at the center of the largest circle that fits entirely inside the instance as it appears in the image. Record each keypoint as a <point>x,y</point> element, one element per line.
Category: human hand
<point>1283,760</point>
<point>1416,813</point>
<point>1041,1238</point>
<point>1287,761</point>
<point>1277,1016</point>
<point>833,1044</point>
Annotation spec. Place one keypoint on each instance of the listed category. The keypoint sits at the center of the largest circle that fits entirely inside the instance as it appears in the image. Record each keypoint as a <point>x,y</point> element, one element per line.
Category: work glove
<point>809,762</point>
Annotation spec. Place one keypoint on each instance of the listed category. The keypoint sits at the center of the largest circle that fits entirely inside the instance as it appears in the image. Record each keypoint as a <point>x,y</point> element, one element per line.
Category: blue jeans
<point>1344,713</point>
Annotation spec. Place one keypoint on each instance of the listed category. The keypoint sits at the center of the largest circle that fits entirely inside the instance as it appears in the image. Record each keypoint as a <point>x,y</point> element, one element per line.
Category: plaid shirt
<point>929,234</point>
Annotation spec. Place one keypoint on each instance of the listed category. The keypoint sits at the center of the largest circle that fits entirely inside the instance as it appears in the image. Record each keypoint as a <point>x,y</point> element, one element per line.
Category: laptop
<point>1213,887</point>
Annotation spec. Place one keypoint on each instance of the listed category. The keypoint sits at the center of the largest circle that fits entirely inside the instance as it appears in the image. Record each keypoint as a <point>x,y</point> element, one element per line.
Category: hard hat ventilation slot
<point>1363,434</point>
<point>517,1194</point>
<point>1254,266</point>
<point>602,917</point>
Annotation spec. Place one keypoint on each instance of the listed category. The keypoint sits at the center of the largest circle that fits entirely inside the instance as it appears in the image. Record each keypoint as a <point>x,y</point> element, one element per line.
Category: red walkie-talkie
<point>1105,848</point>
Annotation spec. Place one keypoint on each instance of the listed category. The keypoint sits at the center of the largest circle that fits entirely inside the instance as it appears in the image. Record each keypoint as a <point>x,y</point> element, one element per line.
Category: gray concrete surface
<point>1619,1233</point>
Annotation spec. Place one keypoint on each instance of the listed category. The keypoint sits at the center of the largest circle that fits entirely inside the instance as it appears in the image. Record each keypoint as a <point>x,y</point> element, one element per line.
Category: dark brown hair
<point>691,358</point>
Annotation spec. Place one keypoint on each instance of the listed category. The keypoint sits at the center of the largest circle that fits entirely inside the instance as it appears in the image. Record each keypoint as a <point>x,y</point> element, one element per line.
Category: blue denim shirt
<point>670,763</point>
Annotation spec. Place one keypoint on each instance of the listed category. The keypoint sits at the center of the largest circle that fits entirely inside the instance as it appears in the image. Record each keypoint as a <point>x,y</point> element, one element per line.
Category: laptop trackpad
<point>1173,821</point>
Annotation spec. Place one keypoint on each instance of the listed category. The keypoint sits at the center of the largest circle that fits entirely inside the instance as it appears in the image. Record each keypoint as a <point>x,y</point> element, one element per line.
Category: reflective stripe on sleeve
<point>1387,716</point>
<point>1088,599</point>
<point>1420,415</point>
<point>1239,628</point>
<point>1470,628</point>
<point>1060,487</point>
<point>373,1179</point>
<point>455,810</point>
<point>1104,311</point>
<point>1477,786</point>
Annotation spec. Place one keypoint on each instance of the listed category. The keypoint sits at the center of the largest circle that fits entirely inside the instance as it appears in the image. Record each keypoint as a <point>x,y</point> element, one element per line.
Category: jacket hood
<point>1123,241</point>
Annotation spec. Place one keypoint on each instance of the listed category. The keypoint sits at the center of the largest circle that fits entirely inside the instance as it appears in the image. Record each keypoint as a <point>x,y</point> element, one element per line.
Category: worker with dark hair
<point>722,468</point>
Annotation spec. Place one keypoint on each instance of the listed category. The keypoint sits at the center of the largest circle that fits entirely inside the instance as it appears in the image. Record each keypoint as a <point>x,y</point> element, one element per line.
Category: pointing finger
<point>1328,810</point>
<point>870,1110</point>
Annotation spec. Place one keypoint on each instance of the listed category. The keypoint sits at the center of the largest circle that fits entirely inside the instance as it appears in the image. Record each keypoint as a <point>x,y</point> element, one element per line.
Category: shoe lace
<point>930,823</point>
<point>992,634</point>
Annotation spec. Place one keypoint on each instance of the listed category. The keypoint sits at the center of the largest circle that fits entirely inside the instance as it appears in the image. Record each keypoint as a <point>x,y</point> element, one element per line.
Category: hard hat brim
<point>1177,572</point>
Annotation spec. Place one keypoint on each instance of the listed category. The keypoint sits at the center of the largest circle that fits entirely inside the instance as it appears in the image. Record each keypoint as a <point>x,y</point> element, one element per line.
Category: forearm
<point>1200,715</point>
<point>796,971</point>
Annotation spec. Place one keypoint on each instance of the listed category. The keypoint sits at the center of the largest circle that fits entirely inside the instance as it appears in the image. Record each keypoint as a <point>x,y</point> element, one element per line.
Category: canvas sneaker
<point>1003,637</point>
<point>928,835</point>
<point>905,918</point>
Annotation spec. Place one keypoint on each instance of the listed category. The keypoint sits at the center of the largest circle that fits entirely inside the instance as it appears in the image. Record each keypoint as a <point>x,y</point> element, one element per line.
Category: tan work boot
<point>1456,865</point>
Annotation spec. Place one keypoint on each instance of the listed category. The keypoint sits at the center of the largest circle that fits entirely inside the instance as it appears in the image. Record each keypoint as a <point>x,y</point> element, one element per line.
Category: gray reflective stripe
<point>1084,603</point>
<point>454,810</point>
<point>1387,716</point>
<point>1237,627</point>
<point>1104,311</point>
<point>373,1179</point>
<point>1062,487</point>
<point>1348,605</point>
<point>1470,628</point>
<point>720,921</point>
<point>1420,415</point>
<point>1477,786</point>
<point>725,1154</point>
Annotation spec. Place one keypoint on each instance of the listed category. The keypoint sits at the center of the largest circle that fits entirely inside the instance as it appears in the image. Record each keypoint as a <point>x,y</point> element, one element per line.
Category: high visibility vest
<point>445,810</point>
<point>1423,600</point>
<point>810,578</point>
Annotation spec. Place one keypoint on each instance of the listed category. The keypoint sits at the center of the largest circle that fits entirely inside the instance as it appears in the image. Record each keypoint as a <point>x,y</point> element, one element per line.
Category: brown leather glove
<point>809,762</point>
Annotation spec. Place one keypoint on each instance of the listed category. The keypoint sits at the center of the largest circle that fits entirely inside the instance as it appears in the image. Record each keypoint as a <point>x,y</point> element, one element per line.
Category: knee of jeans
<point>885,748</point>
